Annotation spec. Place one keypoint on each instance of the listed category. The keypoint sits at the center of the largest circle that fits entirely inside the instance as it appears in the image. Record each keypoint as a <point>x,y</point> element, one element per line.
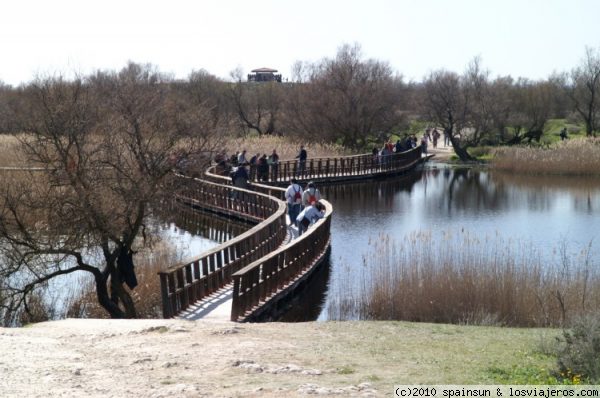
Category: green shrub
<point>579,351</point>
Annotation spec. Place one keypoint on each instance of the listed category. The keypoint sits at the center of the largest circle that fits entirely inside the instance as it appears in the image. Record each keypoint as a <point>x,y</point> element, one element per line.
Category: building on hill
<point>264,75</point>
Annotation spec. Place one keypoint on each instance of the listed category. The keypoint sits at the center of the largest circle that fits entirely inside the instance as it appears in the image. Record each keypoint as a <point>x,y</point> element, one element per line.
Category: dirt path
<point>442,153</point>
<point>162,358</point>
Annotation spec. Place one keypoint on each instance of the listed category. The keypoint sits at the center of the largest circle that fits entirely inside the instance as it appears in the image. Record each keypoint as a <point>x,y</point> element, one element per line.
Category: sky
<point>521,38</point>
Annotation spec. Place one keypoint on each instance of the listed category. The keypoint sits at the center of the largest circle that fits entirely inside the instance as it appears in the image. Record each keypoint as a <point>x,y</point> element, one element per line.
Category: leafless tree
<point>346,99</point>
<point>257,104</point>
<point>447,103</point>
<point>584,90</point>
<point>532,104</point>
<point>104,148</point>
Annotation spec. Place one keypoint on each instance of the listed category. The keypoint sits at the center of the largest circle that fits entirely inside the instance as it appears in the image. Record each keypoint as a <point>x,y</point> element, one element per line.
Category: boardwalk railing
<point>341,166</point>
<point>184,284</point>
<point>258,282</point>
<point>257,263</point>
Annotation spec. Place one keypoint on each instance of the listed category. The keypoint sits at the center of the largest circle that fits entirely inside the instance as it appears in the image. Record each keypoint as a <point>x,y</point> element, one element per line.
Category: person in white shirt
<point>309,215</point>
<point>293,197</point>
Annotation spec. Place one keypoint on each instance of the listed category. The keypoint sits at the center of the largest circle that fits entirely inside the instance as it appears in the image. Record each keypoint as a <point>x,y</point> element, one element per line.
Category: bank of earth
<point>163,358</point>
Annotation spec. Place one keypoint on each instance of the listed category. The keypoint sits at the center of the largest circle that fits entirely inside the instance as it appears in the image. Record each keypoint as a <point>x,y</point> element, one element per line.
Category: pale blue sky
<point>530,38</point>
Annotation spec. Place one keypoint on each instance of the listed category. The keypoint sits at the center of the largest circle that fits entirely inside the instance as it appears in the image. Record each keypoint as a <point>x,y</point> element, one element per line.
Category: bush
<point>579,351</point>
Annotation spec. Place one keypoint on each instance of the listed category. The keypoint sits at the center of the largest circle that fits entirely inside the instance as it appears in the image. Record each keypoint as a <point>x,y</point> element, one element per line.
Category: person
<point>375,154</point>
<point>240,176</point>
<point>242,158</point>
<point>310,195</point>
<point>274,163</point>
<point>302,156</point>
<point>309,215</point>
<point>399,147</point>
<point>263,168</point>
<point>424,145</point>
<point>434,137</point>
<point>408,144</point>
<point>446,137</point>
<point>293,197</point>
<point>563,134</point>
<point>385,154</point>
<point>254,159</point>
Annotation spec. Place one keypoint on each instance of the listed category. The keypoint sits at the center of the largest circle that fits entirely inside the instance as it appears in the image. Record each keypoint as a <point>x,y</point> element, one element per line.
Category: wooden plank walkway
<point>217,306</point>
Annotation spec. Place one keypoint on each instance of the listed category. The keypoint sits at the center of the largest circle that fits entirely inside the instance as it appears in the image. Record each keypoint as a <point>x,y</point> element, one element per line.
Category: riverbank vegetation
<point>571,157</point>
<point>488,281</point>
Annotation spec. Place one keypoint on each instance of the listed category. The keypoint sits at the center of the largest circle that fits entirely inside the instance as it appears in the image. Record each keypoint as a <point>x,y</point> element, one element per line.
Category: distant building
<point>264,75</point>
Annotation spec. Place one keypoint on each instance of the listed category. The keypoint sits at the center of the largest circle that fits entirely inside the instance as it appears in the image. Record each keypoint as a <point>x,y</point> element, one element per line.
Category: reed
<point>570,157</point>
<point>286,148</point>
<point>10,154</point>
<point>464,279</point>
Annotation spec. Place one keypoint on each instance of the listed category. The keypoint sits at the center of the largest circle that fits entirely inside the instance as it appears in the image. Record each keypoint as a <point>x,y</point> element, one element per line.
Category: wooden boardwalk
<point>243,278</point>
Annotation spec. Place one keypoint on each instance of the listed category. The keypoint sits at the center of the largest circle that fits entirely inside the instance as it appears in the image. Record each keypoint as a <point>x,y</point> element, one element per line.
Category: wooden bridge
<point>263,266</point>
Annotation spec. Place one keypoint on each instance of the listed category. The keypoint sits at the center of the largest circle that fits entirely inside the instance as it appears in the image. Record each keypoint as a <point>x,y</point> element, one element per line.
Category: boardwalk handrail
<point>183,284</point>
<point>269,275</point>
<point>337,167</point>
<point>257,263</point>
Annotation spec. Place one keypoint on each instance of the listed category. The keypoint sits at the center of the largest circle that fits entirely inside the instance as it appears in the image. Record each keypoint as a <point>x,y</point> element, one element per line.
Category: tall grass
<point>570,157</point>
<point>286,148</point>
<point>10,154</point>
<point>461,278</point>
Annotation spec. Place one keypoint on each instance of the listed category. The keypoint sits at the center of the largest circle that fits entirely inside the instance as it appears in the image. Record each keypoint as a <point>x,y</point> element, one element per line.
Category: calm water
<point>543,212</point>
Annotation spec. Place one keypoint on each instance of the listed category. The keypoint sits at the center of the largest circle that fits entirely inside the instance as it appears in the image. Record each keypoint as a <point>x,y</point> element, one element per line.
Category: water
<point>540,212</point>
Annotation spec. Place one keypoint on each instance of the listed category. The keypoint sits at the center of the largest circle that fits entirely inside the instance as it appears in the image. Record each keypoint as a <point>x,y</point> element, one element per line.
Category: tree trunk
<point>119,295</point>
<point>105,301</point>
<point>460,151</point>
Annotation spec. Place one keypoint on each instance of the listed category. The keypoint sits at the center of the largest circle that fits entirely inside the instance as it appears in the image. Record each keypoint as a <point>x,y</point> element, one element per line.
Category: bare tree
<point>447,103</point>
<point>346,99</point>
<point>257,104</point>
<point>104,149</point>
<point>584,90</point>
<point>532,107</point>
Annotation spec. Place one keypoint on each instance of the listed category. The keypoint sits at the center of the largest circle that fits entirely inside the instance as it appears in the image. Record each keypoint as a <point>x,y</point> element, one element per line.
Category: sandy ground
<point>442,153</point>
<point>178,358</point>
<point>155,358</point>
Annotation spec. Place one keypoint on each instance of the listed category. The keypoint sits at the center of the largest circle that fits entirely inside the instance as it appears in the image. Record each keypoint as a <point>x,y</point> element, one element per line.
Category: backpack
<point>297,196</point>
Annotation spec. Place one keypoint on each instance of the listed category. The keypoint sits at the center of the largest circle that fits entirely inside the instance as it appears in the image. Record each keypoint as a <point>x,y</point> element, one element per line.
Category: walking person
<point>424,145</point>
<point>293,197</point>
<point>434,137</point>
<point>446,138</point>
<point>302,156</point>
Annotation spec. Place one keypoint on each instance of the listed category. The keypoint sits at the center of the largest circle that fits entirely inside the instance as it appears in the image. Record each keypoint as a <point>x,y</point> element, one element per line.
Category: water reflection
<point>193,232</point>
<point>307,306</point>
<point>544,212</point>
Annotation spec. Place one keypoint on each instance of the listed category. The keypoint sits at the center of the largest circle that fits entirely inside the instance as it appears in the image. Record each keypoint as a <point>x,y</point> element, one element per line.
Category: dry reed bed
<point>286,148</point>
<point>489,281</point>
<point>571,157</point>
<point>10,154</point>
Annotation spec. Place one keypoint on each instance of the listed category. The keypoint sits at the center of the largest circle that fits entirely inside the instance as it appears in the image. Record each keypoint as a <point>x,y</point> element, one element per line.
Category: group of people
<point>239,163</point>
<point>257,167</point>
<point>304,205</point>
